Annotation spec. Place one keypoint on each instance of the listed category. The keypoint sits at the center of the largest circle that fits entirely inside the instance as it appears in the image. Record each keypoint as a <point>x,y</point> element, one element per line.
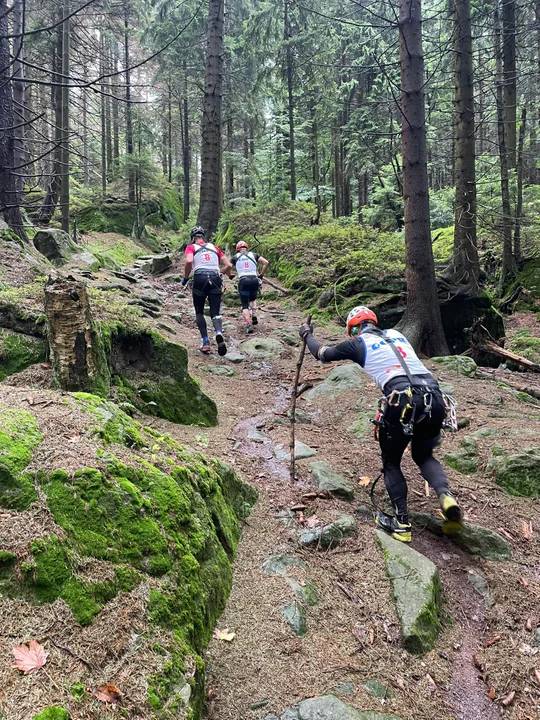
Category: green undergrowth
<point>524,344</point>
<point>168,516</point>
<point>18,351</point>
<point>55,712</point>
<point>354,264</point>
<point>19,435</point>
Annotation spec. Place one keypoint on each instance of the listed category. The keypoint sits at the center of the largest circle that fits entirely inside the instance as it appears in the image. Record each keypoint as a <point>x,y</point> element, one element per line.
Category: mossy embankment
<point>159,521</point>
<point>337,264</point>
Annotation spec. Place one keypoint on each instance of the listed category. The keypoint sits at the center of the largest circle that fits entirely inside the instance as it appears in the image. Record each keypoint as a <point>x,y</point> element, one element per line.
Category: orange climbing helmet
<point>357,317</point>
<point>242,245</point>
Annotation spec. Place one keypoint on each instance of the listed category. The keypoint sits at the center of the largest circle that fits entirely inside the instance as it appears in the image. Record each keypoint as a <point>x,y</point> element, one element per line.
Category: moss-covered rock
<point>19,435</point>
<point>56,245</point>
<point>417,591</point>
<point>524,344</point>
<point>460,364</point>
<point>464,459</point>
<point>150,372</point>
<point>519,474</point>
<point>156,514</point>
<point>18,351</point>
<point>529,278</point>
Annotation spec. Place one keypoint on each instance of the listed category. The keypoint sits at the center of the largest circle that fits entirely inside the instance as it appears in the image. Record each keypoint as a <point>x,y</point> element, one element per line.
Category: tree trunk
<point>421,322</point>
<point>108,124</point>
<point>129,115</point>
<point>19,104</point>
<point>169,134</point>
<point>209,207</point>
<point>466,264</point>
<point>287,35</point>
<point>53,191</point>
<point>186,155</point>
<point>519,200</point>
<point>77,353</point>
<point>115,107</point>
<point>9,204</point>
<point>230,167</point>
<point>508,269</point>
<point>509,90</point>
<point>103,146</point>
<point>64,182</point>
<point>86,159</point>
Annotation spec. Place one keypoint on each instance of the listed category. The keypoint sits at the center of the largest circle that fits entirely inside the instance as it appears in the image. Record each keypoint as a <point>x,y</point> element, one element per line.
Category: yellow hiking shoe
<point>451,515</point>
<point>391,525</point>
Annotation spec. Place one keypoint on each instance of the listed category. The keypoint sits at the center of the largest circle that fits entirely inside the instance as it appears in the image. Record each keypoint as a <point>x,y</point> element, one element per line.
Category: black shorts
<point>248,287</point>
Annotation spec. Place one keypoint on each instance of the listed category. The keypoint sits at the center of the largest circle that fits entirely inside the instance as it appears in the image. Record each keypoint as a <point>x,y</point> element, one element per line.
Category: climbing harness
<point>450,405</point>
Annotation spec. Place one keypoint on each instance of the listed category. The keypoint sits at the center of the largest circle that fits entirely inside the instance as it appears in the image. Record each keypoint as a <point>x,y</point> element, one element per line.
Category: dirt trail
<point>353,632</point>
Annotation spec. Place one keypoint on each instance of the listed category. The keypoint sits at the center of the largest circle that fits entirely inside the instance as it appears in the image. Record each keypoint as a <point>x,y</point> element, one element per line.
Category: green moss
<point>53,713</point>
<point>464,460</point>
<point>114,425</point>
<point>518,474</point>
<point>19,435</point>
<point>78,691</point>
<point>522,343</point>
<point>18,351</point>
<point>529,277</point>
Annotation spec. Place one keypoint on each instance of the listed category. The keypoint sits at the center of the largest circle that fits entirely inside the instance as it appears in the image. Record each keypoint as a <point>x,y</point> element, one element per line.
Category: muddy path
<point>352,632</point>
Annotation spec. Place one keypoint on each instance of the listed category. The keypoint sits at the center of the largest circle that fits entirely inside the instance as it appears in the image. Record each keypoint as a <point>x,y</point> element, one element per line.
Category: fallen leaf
<point>400,683</point>
<point>108,694</point>
<point>371,636</point>
<point>491,693</point>
<point>524,581</point>
<point>224,635</point>
<point>364,481</point>
<point>509,699</point>
<point>45,366</point>
<point>298,508</point>
<point>312,521</point>
<point>537,676</point>
<point>493,640</point>
<point>210,693</point>
<point>76,437</point>
<point>477,662</point>
<point>526,529</point>
<point>528,625</point>
<point>29,657</point>
<point>301,518</point>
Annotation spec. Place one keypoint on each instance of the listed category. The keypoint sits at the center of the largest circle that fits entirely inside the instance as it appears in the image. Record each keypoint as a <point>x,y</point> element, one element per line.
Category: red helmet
<point>357,317</point>
<point>242,245</point>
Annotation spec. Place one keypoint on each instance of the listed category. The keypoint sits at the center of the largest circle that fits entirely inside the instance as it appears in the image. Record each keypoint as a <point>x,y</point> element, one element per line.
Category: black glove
<point>183,282</point>
<point>305,330</point>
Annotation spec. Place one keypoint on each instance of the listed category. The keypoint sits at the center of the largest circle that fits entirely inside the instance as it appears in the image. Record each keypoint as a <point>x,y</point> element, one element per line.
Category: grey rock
<point>279,563</point>
<point>306,593</point>
<point>295,615</point>
<point>458,363</point>
<point>417,590</point>
<point>166,328</point>
<point>153,264</point>
<point>464,459</point>
<point>536,638</point>
<point>262,348</point>
<point>377,689</point>
<point>56,245</point>
<point>330,481</point>
<point>290,339</point>
<point>475,539</point>
<point>301,452</point>
<point>518,474</point>
<point>288,518</point>
<point>86,260</point>
<point>446,388</point>
<point>253,434</point>
<point>222,370</point>
<point>178,317</point>
<point>325,298</point>
<point>481,586</point>
<point>329,707</point>
<point>346,687</point>
<point>362,425</point>
<point>301,417</point>
<point>235,358</point>
<point>329,535</point>
<point>343,377</point>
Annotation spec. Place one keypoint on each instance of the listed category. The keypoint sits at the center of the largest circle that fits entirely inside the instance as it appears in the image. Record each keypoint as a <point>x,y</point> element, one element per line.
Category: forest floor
<point>353,630</point>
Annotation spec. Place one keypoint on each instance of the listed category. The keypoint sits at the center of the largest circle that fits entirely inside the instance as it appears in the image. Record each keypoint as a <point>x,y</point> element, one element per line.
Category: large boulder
<point>56,245</point>
<point>417,592</point>
<point>461,364</point>
<point>518,474</point>
<point>262,348</point>
<point>153,264</point>
<point>464,459</point>
<point>135,531</point>
<point>328,707</point>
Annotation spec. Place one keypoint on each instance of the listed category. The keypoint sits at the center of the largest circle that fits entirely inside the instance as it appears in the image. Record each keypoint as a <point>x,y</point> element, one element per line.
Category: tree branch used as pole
<point>293,401</point>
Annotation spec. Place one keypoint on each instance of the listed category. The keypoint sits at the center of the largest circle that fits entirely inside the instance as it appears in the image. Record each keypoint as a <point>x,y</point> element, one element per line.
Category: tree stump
<point>77,350</point>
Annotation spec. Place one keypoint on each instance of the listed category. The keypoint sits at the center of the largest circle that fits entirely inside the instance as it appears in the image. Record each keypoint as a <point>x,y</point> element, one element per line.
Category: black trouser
<point>425,437</point>
<point>207,285</point>
<point>248,288</point>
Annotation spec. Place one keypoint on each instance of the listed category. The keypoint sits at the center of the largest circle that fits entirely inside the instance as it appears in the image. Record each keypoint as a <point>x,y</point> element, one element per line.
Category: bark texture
<point>421,322</point>
<point>509,90</point>
<point>466,263</point>
<point>210,192</point>
<point>77,352</point>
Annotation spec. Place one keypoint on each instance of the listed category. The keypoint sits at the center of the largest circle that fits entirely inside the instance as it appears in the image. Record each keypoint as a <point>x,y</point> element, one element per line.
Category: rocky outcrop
<point>343,377</point>
<point>141,531</point>
<point>56,245</point>
<point>518,474</point>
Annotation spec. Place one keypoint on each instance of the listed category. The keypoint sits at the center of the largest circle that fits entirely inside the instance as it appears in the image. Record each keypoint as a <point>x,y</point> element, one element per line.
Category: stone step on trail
<point>417,593</point>
<point>328,707</point>
<point>331,481</point>
<point>343,377</point>
<point>330,535</point>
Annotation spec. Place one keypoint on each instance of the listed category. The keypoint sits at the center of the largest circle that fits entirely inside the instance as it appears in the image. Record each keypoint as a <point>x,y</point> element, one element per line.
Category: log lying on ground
<point>488,346</point>
<point>275,286</point>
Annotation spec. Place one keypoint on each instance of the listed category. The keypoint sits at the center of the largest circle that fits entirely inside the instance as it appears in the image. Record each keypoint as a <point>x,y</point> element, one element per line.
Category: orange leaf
<point>524,581</point>
<point>108,694</point>
<point>29,657</point>
<point>477,662</point>
<point>312,521</point>
<point>526,529</point>
<point>493,640</point>
<point>509,699</point>
<point>528,625</point>
<point>491,693</point>
<point>537,676</point>
<point>364,481</point>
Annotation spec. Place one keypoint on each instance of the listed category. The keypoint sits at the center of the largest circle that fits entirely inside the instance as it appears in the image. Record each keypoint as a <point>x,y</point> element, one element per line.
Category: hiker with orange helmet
<point>249,281</point>
<point>413,410</point>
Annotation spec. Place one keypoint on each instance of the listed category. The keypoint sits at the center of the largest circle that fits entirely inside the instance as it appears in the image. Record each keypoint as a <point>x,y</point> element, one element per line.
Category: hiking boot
<point>221,347</point>
<point>254,320</point>
<point>249,328</point>
<point>451,515</point>
<point>391,525</point>
<point>205,346</point>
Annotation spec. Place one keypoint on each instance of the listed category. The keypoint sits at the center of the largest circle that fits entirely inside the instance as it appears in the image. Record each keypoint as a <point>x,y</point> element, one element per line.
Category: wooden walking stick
<point>293,400</point>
